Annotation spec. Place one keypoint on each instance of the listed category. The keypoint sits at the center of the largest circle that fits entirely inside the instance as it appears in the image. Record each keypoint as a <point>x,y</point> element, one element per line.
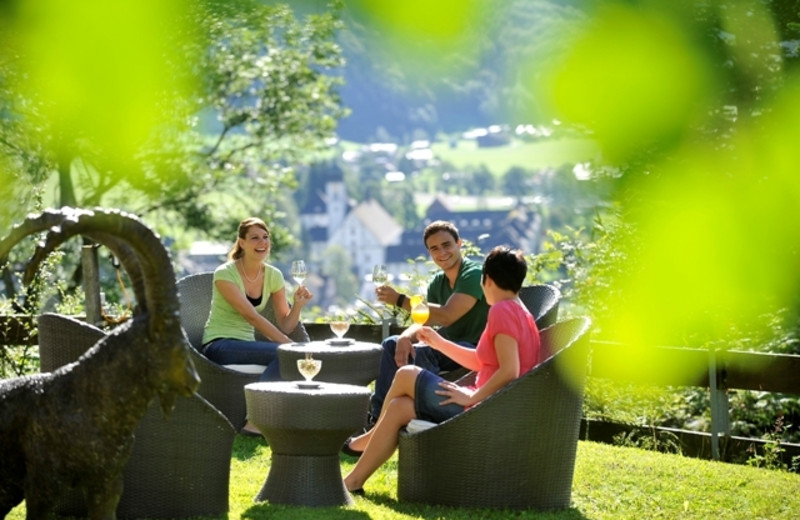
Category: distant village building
<point>372,236</point>
<point>366,233</point>
<point>516,226</point>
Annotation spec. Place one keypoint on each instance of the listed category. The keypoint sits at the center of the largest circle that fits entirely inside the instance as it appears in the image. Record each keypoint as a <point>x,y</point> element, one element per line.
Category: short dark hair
<point>439,225</point>
<point>506,267</point>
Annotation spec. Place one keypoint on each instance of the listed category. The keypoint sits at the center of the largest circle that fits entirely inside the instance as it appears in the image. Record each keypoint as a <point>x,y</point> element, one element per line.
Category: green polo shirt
<point>470,326</point>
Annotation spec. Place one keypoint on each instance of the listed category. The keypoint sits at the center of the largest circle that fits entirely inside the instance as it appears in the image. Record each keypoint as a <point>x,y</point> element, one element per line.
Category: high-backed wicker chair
<point>62,340</point>
<point>179,466</point>
<point>516,449</point>
<point>542,301</point>
<point>223,386</point>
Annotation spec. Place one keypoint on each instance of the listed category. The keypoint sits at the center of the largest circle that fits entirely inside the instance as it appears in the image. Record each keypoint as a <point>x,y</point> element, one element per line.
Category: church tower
<point>335,199</point>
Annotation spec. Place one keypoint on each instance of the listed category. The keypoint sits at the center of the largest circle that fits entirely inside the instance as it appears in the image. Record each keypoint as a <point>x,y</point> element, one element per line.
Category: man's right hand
<point>387,294</point>
<point>403,350</point>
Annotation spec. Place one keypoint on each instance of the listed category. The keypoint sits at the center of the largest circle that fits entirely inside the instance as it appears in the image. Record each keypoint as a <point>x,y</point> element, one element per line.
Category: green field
<point>530,155</point>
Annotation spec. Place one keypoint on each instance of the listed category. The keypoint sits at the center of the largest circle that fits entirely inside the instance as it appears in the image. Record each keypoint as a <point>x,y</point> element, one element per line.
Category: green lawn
<point>610,483</point>
<point>533,156</point>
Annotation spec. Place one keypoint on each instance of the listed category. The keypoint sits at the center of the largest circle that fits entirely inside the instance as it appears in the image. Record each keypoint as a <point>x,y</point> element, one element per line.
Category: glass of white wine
<point>340,326</point>
<point>299,271</point>
<point>309,367</point>
<point>380,275</point>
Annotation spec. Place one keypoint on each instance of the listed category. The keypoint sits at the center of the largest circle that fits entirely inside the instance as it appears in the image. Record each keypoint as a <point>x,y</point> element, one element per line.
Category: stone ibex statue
<point>74,427</point>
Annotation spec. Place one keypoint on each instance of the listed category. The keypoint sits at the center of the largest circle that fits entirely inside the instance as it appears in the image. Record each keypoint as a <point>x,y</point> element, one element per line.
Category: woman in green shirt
<point>242,287</point>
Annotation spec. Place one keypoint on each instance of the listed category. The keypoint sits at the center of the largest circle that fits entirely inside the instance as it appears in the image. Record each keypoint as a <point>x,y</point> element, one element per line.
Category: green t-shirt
<point>224,321</point>
<point>470,326</point>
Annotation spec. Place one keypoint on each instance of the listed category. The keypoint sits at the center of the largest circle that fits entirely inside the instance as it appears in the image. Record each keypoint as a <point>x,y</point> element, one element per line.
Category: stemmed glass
<point>420,312</point>
<point>339,326</point>
<point>380,275</point>
<point>299,272</point>
<point>309,367</point>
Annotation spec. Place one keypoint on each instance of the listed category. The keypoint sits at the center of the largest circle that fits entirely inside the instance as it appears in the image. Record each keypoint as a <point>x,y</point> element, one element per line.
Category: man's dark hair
<point>506,267</point>
<point>439,225</point>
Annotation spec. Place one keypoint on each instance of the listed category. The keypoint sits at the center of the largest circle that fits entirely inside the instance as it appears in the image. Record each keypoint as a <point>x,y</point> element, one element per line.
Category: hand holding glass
<point>299,272</point>
<point>309,367</point>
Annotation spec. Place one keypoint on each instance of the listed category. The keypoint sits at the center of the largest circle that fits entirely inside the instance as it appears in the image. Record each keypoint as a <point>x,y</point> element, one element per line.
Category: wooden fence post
<point>720,412</point>
<point>91,283</point>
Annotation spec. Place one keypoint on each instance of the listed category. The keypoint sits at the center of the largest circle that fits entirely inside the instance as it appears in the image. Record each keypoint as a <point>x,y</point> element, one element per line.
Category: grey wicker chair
<point>222,386</point>
<point>179,466</point>
<point>516,449</point>
<point>542,301</point>
<point>62,340</point>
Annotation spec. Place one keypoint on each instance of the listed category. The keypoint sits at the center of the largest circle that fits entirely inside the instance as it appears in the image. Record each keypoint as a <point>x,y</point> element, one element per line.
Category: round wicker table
<point>354,363</point>
<point>305,429</point>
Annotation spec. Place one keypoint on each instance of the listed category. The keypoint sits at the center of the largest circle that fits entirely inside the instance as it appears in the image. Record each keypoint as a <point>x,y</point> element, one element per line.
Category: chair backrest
<point>563,334</point>
<point>194,293</point>
<point>63,339</point>
<point>542,301</point>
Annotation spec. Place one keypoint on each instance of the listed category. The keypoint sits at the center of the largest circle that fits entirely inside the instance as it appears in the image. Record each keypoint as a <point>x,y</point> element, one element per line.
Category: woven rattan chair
<point>516,449</point>
<point>63,340</point>
<point>542,301</point>
<point>223,386</point>
<point>179,467</point>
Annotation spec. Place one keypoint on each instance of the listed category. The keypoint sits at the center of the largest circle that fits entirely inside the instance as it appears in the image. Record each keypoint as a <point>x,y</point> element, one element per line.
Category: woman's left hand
<point>455,393</point>
<point>302,295</point>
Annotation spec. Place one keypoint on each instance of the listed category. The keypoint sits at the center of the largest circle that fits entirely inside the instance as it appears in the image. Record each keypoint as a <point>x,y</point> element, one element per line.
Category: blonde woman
<point>242,287</point>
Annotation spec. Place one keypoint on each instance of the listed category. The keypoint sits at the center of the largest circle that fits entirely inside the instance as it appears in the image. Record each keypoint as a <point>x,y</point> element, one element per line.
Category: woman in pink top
<point>508,347</point>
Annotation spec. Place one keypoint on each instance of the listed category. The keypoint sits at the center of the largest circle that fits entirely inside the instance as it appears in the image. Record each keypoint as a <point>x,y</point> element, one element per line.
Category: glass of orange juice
<point>419,311</point>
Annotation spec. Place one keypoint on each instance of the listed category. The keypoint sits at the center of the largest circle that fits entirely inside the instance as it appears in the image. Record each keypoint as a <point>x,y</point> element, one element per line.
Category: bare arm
<point>454,308</point>
<point>288,317</point>
<point>466,357</point>
<point>507,356</point>
<point>238,301</point>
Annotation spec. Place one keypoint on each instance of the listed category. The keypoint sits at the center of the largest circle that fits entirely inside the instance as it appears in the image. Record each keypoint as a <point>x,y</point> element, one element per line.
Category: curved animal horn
<point>154,265</point>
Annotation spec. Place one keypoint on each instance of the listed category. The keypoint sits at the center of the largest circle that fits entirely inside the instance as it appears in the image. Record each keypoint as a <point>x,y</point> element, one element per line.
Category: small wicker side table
<point>305,429</point>
<point>354,364</point>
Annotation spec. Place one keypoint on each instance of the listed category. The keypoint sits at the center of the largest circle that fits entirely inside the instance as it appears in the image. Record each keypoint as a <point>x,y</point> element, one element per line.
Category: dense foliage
<point>261,96</point>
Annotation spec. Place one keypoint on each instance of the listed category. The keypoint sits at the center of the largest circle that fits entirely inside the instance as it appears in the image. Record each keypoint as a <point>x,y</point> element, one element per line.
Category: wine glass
<point>380,275</point>
<point>309,367</point>
<point>299,272</point>
<point>339,326</point>
<point>420,312</point>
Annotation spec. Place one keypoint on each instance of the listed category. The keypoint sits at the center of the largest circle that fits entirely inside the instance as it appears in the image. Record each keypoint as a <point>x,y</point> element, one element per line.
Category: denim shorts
<point>427,402</point>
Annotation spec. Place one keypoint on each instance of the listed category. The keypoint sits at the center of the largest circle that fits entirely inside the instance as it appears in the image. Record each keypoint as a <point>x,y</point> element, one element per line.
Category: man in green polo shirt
<point>457,305</point>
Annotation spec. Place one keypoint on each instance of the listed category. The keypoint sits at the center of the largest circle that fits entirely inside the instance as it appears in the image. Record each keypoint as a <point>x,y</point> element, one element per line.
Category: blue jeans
<point>426,357</point>
<point>226,351</point>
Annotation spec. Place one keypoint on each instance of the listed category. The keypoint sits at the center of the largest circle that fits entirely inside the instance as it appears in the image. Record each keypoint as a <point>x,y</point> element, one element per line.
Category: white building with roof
<point>366,232</point>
